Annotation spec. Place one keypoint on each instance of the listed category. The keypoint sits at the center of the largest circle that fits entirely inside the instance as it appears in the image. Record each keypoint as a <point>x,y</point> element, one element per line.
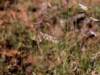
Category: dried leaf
<point>84,7</point>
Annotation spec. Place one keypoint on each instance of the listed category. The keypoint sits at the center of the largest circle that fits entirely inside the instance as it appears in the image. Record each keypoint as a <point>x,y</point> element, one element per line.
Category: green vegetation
<point>69,38</point>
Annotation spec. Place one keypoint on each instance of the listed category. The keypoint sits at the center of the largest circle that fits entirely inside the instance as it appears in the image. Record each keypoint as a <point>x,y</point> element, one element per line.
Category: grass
<point>64,58</point>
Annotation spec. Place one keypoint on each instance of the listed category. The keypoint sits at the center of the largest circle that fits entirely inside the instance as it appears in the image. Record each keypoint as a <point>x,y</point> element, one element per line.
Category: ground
<point>49,37</point>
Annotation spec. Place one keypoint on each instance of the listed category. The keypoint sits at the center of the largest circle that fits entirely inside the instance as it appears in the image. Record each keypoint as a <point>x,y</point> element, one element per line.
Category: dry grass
<point>50,37</point>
